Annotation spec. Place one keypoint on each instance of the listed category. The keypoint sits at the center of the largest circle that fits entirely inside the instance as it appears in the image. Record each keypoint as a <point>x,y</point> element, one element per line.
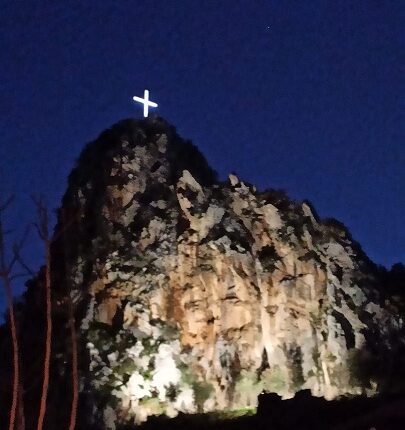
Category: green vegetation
<point>274,380</point>
<point>360,366</point>
<point>248,387</point>
<point>278,198</point>
<point>233,414</point>
<point>315,319</point>
<point>294,360</point>
<point>152,405</point>
<point>268,257</point>
<point>312,255</point>
<point>170,332</point>
<point>202,390</point>
<point>125,367</point>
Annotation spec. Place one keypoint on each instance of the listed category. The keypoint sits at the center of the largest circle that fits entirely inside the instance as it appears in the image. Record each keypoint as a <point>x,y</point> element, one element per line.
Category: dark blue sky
<point>301,95</point>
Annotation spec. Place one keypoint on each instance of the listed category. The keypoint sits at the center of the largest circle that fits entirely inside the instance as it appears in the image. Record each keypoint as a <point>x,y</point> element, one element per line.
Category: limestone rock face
<point>198,295</point>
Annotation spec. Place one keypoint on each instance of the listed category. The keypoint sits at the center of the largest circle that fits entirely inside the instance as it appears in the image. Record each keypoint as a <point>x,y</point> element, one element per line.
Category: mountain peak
<point>153,141</point>
<point>193,295</point>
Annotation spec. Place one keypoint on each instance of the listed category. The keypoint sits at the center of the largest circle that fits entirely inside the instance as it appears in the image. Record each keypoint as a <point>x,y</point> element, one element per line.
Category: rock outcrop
<point>195,295</point>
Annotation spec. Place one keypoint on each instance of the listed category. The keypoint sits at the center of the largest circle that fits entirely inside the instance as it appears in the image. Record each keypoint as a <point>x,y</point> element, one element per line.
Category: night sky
<point>299,95</point>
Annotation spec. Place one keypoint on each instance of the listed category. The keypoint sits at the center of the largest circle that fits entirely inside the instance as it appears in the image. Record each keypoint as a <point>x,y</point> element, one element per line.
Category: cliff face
<point>194,295</point>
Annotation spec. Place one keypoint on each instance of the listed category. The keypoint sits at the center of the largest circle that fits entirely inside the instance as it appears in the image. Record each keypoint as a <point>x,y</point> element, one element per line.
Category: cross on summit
<point>146,103</point>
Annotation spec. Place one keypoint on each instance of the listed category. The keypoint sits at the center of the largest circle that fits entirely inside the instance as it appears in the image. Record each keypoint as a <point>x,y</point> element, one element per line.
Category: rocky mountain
<point>194,295</point>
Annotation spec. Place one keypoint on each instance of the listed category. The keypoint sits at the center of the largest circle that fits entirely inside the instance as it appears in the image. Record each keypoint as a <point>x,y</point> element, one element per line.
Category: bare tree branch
<point>19,275</point>
<point>42,228</point>
<point>5,274</point>
<point>72,327</point>
<point>17,248</point>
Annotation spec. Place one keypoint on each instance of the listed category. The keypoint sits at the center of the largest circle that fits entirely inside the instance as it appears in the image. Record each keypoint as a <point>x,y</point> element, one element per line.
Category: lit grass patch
<point>233,414</point>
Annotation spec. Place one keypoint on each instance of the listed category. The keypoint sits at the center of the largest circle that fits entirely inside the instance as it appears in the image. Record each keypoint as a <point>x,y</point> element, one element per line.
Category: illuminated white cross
<point>146,103</point>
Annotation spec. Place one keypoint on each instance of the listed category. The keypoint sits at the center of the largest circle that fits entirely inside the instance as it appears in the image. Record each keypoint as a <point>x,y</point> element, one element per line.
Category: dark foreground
<point>304,412</point>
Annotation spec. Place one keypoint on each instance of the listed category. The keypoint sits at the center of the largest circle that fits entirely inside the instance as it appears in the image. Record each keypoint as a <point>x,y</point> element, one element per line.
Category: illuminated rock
<point>198,294</point>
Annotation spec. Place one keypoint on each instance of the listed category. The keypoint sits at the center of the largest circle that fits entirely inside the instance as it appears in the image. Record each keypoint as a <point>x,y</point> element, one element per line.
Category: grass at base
<point>236,413</point>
